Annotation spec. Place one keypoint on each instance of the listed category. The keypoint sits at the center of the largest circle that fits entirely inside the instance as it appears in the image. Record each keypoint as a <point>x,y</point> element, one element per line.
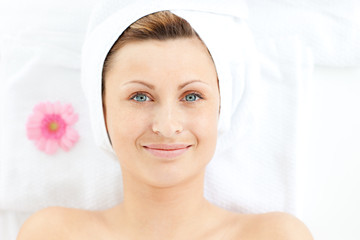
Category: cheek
<point>125,125</point>
<point>203,122</point>
<point>125,128</point>
<point>203,125</point>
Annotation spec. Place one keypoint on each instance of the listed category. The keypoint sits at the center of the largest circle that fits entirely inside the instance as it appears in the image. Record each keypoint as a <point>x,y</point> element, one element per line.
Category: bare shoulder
<point>55,223</point>
<point>275,225</point>
<point>44,224</point>
<point>286,226</point>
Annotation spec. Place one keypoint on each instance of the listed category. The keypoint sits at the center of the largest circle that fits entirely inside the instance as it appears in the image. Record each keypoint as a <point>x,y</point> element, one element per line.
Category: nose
<point>167,121</point>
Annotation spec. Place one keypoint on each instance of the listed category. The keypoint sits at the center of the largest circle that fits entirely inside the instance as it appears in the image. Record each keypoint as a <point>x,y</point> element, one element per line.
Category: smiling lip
<point>167,150</point>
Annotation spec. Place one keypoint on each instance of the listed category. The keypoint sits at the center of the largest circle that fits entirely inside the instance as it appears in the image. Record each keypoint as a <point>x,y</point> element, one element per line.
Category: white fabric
<point>253,167</point>
<point>261,159</point>
<point>10,223</point>
<point>45,66</point>
<point>330,28</point>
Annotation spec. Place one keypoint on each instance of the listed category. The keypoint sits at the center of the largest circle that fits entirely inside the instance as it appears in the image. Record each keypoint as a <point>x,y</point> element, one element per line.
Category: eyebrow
<point>153,87</point>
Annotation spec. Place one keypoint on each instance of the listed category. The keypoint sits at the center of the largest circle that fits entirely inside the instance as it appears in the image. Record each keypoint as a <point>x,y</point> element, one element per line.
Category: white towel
<point>331,28</point>
<point>42,66</point>
<point>10,223</point>
<point>253,167</point>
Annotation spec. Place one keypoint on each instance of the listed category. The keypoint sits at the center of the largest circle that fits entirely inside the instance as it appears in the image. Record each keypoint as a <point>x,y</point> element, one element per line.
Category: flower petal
<point>49,108</point>
<point>33,133</point>
<point>69,139</point>
<point>36,116</point>
<point>33,124</point>
<point>70,119</point>
<point>65,143</point>
<point>57,108</point>
<point>51,146</point>
<point>41,143</point>
<point>72,134</point>
<point>68,109</point>
<point>40,108</point>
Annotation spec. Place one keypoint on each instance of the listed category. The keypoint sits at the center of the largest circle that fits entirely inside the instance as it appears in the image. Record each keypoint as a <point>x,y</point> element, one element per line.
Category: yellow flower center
<point>53,126</point>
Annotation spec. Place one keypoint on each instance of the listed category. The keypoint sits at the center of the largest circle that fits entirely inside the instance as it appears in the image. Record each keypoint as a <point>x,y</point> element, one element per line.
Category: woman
<point>161,104</point>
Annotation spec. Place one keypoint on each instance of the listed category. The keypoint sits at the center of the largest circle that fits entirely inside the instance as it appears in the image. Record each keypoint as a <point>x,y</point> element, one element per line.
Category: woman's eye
<point>192,97</point>
<point>140,97</point>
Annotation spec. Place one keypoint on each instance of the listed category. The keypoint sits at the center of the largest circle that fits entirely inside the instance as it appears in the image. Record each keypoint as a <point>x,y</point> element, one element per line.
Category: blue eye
<point>192,97</point>
<point>140,97</point>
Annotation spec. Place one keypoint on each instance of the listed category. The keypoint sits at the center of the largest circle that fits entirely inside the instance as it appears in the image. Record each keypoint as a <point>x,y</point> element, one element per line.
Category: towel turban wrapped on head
<point>223,29</point>
<point>210,22</point>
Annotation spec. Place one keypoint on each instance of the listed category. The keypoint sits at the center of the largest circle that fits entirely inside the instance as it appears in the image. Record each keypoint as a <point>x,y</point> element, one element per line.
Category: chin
<point>172,176</point>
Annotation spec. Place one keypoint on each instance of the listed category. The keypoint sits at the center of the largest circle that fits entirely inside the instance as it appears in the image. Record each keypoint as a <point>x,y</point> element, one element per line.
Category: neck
<point>164,212</point>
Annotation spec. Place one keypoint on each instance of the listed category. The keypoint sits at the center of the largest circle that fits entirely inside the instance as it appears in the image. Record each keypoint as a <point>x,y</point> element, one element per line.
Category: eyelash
<point>143,93</point>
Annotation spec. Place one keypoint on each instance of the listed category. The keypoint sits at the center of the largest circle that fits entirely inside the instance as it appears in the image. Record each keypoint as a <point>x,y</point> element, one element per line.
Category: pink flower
<point>49,127</point>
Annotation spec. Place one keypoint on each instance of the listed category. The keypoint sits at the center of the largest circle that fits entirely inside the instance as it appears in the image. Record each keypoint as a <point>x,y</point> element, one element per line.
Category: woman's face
<point>157,94</point>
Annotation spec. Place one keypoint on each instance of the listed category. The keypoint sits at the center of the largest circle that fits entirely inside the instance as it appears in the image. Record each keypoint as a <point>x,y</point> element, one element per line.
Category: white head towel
<point>218,25</point>
<point>222,27</point>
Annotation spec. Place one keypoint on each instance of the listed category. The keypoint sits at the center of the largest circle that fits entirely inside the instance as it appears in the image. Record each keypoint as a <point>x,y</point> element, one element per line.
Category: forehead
<point>186,55</point>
